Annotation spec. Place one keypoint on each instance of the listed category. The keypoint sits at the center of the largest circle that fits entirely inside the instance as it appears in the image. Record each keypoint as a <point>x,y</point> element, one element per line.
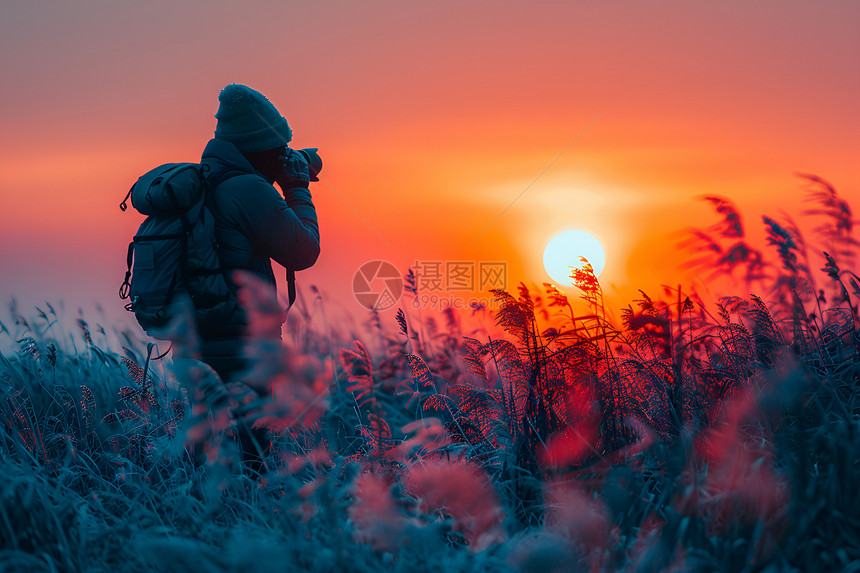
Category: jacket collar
<point>222,160</point>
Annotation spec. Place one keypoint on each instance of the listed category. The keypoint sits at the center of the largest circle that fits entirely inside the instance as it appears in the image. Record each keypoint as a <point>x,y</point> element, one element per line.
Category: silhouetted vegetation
<point>684,436</point>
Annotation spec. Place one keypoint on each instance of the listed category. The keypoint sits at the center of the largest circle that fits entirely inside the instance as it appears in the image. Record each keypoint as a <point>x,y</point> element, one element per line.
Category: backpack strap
<point>126,285</point>
<point>124,205</point>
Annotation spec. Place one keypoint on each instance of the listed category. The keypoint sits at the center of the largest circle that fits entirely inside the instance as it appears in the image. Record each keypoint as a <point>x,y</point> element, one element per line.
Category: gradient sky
<point>431,117</point>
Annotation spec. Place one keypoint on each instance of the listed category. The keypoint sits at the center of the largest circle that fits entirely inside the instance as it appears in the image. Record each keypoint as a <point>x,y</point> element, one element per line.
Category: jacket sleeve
<point>284,229</point>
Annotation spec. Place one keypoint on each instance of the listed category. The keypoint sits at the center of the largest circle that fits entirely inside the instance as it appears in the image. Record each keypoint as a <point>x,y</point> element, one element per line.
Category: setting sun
<point>564,250</point>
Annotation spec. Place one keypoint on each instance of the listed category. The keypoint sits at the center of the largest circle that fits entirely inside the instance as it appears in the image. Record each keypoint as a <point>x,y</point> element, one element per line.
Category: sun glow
<point>563,251</point>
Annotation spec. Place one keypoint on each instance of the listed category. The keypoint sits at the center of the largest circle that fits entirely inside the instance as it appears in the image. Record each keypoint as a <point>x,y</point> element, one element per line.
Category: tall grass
<point>685,436</point>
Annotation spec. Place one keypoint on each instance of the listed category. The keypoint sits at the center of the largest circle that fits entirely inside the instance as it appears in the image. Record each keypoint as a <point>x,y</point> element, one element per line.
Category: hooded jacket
<point>254,225</point>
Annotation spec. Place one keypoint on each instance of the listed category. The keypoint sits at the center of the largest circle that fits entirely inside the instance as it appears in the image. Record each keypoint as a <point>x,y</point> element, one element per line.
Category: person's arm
<point>300,202</point>
<point>284,229</point>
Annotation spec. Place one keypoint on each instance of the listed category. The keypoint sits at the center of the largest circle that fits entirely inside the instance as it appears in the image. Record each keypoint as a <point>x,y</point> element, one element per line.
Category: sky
<point>451,132</point>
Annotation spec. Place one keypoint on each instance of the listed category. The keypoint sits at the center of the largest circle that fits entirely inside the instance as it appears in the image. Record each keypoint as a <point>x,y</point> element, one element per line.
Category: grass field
<point>684,436</point>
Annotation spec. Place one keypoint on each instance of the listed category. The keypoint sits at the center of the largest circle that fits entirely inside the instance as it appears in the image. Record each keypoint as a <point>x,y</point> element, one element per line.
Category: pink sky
<point>431,119</point>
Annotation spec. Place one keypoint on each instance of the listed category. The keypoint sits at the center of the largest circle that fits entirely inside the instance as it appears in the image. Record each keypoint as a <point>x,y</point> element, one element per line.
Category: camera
<point>313,160</point>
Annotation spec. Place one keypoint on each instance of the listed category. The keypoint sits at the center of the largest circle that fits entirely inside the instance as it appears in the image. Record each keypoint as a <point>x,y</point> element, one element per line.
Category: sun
<point>563,251</point>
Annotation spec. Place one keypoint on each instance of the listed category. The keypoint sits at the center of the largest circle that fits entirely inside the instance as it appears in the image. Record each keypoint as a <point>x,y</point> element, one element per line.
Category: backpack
<point>174,255</point>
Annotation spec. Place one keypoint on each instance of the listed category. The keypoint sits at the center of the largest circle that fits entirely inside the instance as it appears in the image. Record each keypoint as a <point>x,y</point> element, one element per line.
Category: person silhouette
<point>254,223</point>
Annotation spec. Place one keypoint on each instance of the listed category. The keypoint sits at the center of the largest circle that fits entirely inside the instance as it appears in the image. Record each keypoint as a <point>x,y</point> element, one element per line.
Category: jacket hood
<point>222,160</point>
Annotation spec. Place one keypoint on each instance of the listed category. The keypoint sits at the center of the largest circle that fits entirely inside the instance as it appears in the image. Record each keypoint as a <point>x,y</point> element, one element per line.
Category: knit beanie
<point>248,119</point>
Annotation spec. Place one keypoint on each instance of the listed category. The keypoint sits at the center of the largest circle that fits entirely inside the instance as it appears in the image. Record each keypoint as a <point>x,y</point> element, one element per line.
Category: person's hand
<point>295,172</point>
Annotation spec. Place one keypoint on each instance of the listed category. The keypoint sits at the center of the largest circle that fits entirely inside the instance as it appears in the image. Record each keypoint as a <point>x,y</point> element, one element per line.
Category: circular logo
<point>377,285</point>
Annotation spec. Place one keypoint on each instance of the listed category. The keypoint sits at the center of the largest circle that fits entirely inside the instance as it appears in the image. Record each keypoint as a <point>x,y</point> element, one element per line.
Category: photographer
<point>253,223</point>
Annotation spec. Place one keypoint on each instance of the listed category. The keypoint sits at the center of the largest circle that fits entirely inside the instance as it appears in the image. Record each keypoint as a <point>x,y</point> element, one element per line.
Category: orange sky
<point>431,118</point>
